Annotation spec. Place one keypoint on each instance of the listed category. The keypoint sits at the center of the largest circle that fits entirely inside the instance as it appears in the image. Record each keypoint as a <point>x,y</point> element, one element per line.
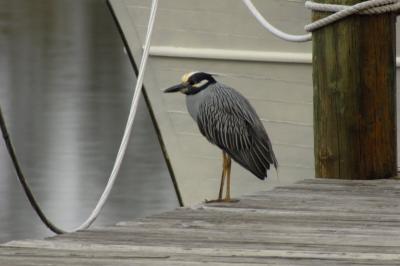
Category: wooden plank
<point>171,256</point>
<point>166,252</point>
<point>301,224</point>
<point>215,214</point>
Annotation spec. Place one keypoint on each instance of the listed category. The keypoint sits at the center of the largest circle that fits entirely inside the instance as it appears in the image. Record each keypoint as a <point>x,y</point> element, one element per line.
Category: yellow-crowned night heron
<point>227,120</point>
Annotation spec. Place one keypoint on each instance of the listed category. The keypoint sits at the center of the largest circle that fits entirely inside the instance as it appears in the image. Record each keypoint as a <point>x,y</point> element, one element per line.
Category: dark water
<point>65,91</point>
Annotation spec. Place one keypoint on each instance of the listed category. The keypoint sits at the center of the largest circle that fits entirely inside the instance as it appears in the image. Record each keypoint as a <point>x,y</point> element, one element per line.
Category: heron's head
<point>192,83</point>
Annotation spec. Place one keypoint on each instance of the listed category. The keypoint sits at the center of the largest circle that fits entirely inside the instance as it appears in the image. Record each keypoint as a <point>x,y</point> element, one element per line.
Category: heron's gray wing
<point>227,119</point>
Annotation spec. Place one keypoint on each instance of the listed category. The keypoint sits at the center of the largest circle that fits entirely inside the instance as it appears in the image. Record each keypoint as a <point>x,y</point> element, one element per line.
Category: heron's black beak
<point>175,88</point>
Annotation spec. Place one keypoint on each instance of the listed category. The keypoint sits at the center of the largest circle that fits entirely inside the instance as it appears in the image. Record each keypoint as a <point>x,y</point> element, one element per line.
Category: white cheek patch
<point>201,83</point>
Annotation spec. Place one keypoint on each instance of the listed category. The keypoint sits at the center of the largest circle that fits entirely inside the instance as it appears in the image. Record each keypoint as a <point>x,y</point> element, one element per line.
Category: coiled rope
<point>121,151</point>
<point>370,7</point>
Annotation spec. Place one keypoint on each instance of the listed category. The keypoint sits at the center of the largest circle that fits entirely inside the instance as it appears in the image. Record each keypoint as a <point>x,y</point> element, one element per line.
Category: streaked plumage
<point>228,120</point>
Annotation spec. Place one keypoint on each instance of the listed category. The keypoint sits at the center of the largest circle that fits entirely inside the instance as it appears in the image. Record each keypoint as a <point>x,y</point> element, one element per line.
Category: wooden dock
<point>314,222</point>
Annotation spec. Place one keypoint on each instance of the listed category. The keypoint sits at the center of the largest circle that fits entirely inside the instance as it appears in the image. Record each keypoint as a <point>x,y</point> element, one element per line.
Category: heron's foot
<point>213,201</point>
<point>222,200</point>
<point>229,200</point>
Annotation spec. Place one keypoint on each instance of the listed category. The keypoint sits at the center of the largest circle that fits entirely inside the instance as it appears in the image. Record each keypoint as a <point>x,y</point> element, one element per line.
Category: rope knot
<point>370,7</point>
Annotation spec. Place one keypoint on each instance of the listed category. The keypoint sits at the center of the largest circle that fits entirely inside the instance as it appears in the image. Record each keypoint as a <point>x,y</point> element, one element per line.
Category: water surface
<point>65,90</point>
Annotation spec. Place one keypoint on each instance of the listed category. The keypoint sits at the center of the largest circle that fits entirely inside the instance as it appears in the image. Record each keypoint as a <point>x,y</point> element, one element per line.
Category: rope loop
<point>278,33</point>
<point>370,7</point>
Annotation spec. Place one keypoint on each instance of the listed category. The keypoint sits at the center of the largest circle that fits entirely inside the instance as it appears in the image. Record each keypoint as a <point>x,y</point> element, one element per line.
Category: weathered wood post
<point>354,75</point>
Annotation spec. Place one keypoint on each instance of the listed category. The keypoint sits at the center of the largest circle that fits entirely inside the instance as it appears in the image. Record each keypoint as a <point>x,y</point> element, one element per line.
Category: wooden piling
<point>354,75</point>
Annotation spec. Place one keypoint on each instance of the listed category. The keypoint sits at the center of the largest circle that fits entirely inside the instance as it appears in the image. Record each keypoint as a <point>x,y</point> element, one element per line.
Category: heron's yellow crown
<point>186,77</point>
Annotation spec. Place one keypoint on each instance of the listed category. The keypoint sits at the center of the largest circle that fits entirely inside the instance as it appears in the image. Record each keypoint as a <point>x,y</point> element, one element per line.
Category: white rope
<point>373,7</point>
<point>336,8</point>
<point>368,7</point>
<point>272,29</point>
<point>128,128</point>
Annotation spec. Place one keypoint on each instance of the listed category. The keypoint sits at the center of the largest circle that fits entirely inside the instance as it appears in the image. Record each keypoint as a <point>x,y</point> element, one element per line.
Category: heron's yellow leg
<point>221,187</point>
<point>224,165</point>
<point>226,172</point>
<point>228,178</point>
